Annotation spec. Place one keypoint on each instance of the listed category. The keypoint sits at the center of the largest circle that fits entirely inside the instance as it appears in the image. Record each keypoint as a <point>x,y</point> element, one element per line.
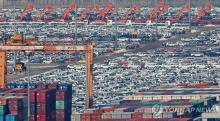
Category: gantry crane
<point>204,10</point>
<point>26,14</point>
<point>180,13</point>
<point>96,7</point>
<point>158,11</point>
<point>70,9</point>
<point>20,43</point>
<point>45,11</point>
<point>185,9</point>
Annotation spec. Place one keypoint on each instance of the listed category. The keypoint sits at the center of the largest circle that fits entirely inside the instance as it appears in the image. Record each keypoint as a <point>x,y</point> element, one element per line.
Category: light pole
<point>76,18</point>
<point>14,33</point>
<point>28,54</point>
<point>189,16</point>
<point>116,27</point>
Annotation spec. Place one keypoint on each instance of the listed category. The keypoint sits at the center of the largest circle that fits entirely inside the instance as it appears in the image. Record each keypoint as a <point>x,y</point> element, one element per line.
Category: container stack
<point>46,105</point>
<point>13,108</point>
<point>49,102</point>
<point>33,105</point>
<point>17,107</point>
<point>2,111</point>
<point>147,110</point>
<point>64,102</point>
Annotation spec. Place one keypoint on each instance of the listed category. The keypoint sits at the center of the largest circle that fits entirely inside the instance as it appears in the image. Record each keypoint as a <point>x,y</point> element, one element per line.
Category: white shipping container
<point>116,115</point>
<point>139,110</point>
<point>159,115</point>
<point>170,115</point>
<point>75,117</point>
<point>126,115</point>
<point>106,116</point>
<point>148,110</point>
<point>147,115</point>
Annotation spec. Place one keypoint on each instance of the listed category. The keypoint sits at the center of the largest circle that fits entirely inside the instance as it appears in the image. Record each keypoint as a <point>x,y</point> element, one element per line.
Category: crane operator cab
<point>20,67</point>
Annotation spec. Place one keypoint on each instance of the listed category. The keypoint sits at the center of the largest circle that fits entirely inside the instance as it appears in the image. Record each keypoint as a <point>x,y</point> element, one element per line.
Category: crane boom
<point>43,48</point>
<point>69,10</point>
<point>205,9</point>
<point>28,9</point>
<point>46,9</point>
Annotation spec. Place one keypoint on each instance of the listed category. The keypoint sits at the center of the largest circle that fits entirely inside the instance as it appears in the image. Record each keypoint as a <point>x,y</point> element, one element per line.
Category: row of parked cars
<point>189,60</point>
<point>107,38</point>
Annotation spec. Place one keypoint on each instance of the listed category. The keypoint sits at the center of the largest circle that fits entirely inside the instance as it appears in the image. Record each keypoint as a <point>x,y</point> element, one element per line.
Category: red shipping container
<point>158,119</point>
<point>41,109</point>
<point>33,96</point>
<point>60,95</point>
<point>114,120</point>
<point>98,111</point>
<point>137,115</point>
<point>33,118</point>
<point>60,114</point>
<point>15,104</point>
<point>10,91</point>
<point>43,118</point>
<point>95,116</point>
<point>52,86</point>
<point>42,96</point>
<point>3,101</point>
<point>42,86</point>
<point>108,110</point>
<point>21,91</point>
<point>85,117</point>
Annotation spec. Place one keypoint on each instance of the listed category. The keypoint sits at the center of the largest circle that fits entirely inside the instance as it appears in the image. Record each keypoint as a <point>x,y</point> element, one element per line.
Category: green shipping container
<point>60,105</point>
<point>2,109</point>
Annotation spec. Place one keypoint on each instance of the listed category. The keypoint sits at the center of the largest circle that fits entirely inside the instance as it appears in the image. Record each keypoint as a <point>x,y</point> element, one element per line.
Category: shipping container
<point>47,102</point>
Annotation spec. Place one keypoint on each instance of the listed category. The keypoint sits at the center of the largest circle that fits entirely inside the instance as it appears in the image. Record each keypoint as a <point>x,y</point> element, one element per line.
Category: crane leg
<point>89,82</point>
<point>3,68</point>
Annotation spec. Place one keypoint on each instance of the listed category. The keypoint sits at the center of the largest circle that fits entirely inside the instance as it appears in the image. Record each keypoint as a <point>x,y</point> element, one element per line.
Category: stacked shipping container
<point>13,108</point>
<point>139,110</point>
<point>48,102</point>
<point>64,103</point>
<point>45,104</point>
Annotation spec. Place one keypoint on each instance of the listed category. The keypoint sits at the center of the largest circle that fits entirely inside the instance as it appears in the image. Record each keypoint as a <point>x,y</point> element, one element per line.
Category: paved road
<point>39,68</point>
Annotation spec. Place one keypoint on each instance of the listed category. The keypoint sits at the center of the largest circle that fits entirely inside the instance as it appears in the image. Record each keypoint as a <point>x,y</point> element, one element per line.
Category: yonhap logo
<point>157,111</point>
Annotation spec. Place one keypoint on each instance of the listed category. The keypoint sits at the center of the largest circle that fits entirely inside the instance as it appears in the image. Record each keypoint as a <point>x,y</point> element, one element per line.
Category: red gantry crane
<point>45,11</point>
<point>67,12</point>
<point>26,14</point>
<point>180,13</point>
<point>158,12</point>
<point>20,43</point>
<point>126,16</point>
<point>107,10</point>
<point>205,9</point>
<point>202,17</point>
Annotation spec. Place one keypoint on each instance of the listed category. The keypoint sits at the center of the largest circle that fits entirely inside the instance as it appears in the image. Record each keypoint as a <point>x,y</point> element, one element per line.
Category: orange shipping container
<point>3,100</point>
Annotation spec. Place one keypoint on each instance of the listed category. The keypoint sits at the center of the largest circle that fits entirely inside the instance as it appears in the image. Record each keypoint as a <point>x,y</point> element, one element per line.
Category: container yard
<point>109,60</point>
